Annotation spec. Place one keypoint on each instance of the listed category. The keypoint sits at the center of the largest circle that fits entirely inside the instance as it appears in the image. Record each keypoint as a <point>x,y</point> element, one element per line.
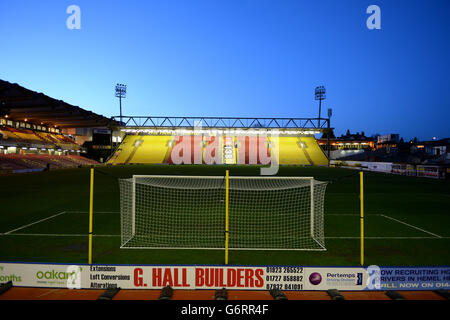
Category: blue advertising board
<point>408,278</point>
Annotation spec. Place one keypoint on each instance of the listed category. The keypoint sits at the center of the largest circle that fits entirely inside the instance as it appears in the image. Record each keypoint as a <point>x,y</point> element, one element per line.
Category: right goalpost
<point>222,212</point>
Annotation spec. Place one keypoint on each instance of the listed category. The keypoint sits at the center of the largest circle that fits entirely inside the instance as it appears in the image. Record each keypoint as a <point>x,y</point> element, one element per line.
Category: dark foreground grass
<point>407,219</point>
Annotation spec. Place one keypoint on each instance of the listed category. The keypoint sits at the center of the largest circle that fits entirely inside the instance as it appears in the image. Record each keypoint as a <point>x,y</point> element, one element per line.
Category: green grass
<point>407,219</point>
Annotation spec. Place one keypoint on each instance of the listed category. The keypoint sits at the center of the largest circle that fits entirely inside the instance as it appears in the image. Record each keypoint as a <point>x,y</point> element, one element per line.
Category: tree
<point>325,134</point>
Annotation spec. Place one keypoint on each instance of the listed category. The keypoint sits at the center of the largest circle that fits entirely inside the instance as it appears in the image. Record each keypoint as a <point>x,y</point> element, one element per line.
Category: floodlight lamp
<point>121,90</point>
<point>320,93</point>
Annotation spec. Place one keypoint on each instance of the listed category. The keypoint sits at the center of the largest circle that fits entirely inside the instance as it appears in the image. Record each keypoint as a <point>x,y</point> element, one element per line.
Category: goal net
<point>190,212</point>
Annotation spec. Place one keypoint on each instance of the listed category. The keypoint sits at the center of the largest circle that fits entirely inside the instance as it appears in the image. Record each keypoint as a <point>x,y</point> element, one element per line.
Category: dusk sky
<point>241,58</point>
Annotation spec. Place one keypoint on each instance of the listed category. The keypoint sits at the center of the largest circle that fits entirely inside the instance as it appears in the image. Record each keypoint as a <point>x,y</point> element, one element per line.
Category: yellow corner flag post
<point>226,214</point>
<point>361,199</point>
<point>91,213</point>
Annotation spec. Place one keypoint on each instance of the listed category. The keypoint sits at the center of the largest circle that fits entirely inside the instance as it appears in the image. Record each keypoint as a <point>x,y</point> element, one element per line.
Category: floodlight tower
<point>330,112</point>
<point>121,92</point>
<point>320,95</point>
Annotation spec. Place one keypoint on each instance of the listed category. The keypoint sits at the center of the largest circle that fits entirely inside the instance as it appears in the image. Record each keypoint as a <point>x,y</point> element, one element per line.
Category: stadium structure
<point>38,132</point>
<point>196,140</point>
<point>163,184</point>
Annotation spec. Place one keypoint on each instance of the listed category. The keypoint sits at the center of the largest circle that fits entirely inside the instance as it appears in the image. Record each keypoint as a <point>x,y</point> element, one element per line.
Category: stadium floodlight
<point>121,92</point>
<point>195,212</point>
<point>320,95</point>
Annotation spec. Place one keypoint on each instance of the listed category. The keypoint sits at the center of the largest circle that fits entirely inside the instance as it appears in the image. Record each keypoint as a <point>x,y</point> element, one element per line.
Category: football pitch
<point>44,218</point>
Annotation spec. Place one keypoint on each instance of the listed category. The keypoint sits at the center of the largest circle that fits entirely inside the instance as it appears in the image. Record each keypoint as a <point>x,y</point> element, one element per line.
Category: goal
<point>217,212</point>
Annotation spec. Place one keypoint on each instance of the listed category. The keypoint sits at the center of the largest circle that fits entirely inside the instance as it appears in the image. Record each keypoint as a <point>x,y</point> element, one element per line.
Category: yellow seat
<point>142,149</point>
<point>156,150</point>
<point>301,151</point>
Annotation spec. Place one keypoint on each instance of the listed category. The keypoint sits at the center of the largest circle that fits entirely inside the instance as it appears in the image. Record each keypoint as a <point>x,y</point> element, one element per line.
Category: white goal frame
<point>312,211</point>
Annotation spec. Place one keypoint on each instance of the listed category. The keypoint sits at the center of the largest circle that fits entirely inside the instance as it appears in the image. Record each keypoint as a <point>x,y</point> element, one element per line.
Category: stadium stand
<point>302,151</point>
<point>38,131</point>
<point>34,162</point>
<point>245,144</point>
<point>24,150</point>
<point>25,136</point>
<point>148,149</point>
<point>7,163</point>
<point>142,149</point>
<point>29,138</point>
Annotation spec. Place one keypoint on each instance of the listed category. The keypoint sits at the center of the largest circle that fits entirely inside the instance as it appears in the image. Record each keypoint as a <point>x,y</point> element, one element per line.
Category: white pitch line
<point>36,222</point>
<point>387,238</point>
<point>352,214</point>
<point>117,235</point>
<point>411,226</point>
<point>94,212</point>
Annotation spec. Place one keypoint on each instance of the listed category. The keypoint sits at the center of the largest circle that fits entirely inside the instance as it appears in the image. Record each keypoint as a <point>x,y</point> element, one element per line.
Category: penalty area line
<point>33,223</point>
<point>410,225</point>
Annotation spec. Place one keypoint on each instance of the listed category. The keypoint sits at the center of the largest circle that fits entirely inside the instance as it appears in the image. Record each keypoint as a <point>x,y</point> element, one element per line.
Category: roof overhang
<point>20,104</point>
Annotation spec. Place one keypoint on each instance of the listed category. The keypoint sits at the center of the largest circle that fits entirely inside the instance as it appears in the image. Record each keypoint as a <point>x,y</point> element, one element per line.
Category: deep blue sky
<point>239,58</point>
